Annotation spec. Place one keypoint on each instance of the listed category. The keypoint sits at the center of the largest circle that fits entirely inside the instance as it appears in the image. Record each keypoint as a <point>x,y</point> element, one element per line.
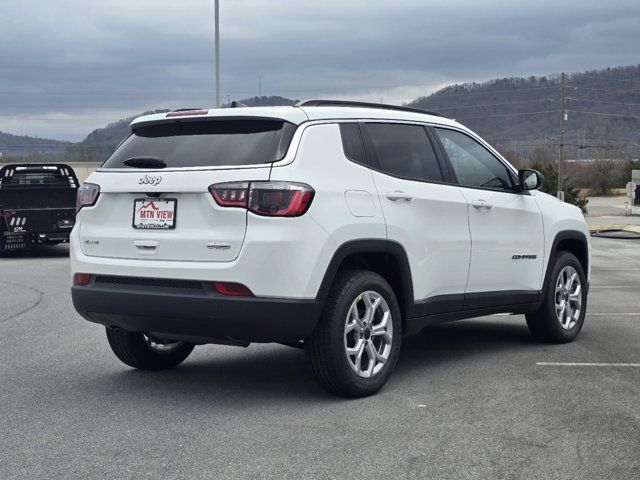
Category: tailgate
<point>200,230</point>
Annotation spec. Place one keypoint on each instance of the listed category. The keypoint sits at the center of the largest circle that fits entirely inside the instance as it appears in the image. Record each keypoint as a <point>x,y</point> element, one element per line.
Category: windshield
<point>209,143</point>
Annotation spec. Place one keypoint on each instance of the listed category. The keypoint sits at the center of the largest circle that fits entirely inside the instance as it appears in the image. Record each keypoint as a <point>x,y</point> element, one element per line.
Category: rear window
<point>210,143</point>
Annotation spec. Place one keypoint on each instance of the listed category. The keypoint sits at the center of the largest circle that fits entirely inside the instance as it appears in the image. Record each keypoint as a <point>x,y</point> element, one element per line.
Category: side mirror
<point>530,179</point>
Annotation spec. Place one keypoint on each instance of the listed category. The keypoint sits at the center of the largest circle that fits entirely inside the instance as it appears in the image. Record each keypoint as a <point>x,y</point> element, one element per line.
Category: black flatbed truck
<point>37,204</point>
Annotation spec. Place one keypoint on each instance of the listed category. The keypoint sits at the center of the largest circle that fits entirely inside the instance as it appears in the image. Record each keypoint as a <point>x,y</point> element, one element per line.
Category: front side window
<point>403,151</point>
<point>473,164</point>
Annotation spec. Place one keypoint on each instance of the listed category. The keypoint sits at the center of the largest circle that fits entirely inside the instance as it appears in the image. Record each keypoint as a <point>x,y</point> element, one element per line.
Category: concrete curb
<point>614,227</point>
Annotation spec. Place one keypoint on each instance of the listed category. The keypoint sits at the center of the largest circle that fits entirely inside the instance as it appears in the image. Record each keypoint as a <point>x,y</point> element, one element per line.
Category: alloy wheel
<point>568,297</point>
<point>368,334</point>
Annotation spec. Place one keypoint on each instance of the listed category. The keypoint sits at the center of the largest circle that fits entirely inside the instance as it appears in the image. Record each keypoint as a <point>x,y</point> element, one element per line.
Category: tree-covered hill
<point>12,146</point>
<point>602,106</point>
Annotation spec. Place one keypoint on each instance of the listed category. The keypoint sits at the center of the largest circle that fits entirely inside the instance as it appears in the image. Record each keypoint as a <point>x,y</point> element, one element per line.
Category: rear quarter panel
<point>345,205</point>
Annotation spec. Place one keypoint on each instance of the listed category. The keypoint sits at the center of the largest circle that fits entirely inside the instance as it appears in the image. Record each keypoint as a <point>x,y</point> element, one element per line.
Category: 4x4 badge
<point>150,180</point>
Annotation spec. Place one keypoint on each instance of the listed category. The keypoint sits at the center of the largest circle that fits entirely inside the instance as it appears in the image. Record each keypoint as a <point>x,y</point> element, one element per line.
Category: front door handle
<point>398,196</point>
<point>482,204</point>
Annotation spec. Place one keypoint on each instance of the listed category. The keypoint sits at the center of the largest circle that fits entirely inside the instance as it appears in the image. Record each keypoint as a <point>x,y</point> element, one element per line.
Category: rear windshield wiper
<point>145,162</point>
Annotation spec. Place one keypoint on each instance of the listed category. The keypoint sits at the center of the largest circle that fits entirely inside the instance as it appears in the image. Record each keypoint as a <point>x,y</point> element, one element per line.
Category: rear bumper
<point>191,311</point>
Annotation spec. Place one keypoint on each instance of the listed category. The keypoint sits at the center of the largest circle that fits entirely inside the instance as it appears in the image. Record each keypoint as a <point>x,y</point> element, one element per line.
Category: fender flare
<point>368,246</point>
<point>560,236</point>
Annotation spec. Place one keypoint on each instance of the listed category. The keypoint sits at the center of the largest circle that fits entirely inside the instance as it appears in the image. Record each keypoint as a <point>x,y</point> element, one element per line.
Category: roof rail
<point>349,103</point>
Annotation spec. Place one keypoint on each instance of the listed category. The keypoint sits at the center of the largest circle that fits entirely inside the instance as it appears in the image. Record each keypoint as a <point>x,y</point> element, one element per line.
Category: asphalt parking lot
<point>469,399</point>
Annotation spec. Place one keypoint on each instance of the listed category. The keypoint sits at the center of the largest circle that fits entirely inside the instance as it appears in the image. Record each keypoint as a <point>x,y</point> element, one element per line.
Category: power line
<point>335,89</point>
<point>205,92</point>
<point>281,92</point>
<point>512,114</point>
<point>604,114</point>
<point>577,87</point>
<point>498,104</point>
<point>546,140</point>
<point>602,101</point>
<point>513,90</point>
<point>582,75</point>
<point>99,94</point>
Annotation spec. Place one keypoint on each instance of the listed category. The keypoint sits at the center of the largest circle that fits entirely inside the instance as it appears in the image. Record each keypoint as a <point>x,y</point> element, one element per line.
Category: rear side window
<point>474,165</point>
<point>210,143</point>
<point>352,142</point>
<point>403,151</point>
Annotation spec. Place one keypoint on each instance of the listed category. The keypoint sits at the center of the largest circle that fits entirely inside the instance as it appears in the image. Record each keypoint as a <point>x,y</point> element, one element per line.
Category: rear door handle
<point>482,204</point>
<point>398,196</point>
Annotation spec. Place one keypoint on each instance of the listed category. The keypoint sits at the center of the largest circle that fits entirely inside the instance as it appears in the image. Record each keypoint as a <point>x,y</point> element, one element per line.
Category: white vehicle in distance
<point>338,227</point>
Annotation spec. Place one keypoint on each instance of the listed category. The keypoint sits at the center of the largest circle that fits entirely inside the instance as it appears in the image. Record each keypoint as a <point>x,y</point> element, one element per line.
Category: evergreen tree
<point>550,185</point>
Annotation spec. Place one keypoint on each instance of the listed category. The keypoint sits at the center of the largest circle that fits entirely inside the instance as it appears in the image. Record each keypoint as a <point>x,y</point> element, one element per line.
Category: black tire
<point>325,348</point>
<point>133,349</point>
<point>544,324</point>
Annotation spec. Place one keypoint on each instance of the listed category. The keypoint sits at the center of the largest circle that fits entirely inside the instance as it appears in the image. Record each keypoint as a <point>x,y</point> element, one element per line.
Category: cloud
<point>69,66</point>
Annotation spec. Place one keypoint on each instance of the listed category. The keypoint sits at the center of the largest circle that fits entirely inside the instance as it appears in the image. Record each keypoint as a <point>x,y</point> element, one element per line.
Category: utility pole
<point>260,86</point>
<point>563,118</point>
<point>217,41</point>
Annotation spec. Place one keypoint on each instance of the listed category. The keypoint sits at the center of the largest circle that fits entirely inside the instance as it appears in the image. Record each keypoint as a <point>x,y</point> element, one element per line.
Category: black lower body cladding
<point>189,311</point>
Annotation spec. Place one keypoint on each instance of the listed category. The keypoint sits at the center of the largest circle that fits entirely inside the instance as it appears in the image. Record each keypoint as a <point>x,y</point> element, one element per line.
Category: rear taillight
<point>280,199</point>
<point>81,279</point>
<point>87,195</point>
<point>271,199</point>
<point>231,194</point>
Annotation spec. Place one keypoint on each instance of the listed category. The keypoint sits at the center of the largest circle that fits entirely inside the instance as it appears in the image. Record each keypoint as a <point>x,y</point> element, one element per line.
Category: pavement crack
<point>39,294</point>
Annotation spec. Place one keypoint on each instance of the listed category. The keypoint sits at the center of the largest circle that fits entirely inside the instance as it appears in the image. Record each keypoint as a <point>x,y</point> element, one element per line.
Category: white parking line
<point>615,270</point>
<point>614,314</point>
<point>580,364</point>
<point>591,287</point>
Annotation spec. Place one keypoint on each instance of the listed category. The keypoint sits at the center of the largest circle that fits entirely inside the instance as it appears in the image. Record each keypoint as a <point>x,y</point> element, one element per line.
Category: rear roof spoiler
<point>202,118</point>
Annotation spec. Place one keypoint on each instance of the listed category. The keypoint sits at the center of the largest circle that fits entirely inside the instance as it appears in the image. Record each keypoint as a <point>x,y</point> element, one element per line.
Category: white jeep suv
<point>337,227</point>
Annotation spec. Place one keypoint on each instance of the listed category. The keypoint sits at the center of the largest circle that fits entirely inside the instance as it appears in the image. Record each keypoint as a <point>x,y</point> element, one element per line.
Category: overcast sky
<point>69,66</point>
